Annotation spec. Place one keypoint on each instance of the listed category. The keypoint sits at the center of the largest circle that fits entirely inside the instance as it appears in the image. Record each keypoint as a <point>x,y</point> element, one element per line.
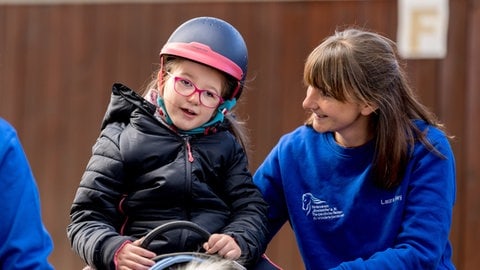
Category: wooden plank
<point>471,175</point>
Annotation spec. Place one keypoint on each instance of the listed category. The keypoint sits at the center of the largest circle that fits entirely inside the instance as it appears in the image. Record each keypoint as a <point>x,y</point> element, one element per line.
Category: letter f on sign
<point>422,28</point>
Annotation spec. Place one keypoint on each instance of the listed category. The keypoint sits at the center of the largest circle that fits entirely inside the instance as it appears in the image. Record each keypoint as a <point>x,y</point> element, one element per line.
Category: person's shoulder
<point>436,136</point>
<point>301,131</point>
<point>6,130</point>
<point>431,131</point>
<point>224,138</point>
<point>113,130</point>
<point>5,125</point>
<point>8,137</point>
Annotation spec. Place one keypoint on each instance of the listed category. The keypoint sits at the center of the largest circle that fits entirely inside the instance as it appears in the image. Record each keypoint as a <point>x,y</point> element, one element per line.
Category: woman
<point>369,181</point>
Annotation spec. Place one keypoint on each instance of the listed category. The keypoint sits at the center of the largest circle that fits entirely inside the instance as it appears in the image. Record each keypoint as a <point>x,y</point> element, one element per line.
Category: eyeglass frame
<point>195,90</point>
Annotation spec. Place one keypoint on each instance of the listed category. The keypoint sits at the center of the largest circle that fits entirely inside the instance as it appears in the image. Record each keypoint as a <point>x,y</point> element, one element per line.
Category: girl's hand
<point>133,257</point>
<point>224,245</point>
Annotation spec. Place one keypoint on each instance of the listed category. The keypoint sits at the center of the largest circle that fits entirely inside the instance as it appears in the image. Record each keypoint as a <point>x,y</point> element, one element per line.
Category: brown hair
<point>364,66</point>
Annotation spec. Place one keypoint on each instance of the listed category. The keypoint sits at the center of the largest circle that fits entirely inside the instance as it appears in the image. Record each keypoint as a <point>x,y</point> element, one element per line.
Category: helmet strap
<point>235,92</point>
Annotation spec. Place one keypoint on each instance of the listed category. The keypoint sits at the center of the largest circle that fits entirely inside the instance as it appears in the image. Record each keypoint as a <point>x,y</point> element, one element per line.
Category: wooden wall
<point>58,62</point>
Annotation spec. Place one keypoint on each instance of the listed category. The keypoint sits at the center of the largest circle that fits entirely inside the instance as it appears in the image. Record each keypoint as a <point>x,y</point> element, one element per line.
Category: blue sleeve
<point>269,181</point>
<point>422,242</point>
<point>25,243</point>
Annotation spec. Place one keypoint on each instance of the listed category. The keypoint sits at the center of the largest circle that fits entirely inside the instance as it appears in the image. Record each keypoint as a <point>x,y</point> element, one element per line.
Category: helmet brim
<point>203,54</point>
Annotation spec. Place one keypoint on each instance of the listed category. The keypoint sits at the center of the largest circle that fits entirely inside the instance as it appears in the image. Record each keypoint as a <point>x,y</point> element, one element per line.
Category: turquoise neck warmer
<point>226,106</point>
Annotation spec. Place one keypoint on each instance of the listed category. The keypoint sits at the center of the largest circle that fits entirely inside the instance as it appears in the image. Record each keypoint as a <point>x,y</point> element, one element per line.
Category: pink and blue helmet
<point>212,42</point>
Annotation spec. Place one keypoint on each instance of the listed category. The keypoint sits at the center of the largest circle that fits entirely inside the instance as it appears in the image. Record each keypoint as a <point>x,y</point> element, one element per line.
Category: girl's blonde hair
<point>364,66</point>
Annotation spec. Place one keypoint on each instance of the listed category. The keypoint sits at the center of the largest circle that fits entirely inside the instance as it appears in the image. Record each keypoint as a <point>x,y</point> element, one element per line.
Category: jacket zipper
<point>120,209</point>
<point>188,174</point>
<point>189,150</point>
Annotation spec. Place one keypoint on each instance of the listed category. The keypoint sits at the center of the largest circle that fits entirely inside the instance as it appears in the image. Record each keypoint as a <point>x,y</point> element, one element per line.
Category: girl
<point>369,181</point>
<point>174,154</point>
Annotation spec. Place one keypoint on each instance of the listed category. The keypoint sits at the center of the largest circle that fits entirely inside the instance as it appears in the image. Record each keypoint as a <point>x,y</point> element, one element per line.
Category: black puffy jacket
<point>142,174</point>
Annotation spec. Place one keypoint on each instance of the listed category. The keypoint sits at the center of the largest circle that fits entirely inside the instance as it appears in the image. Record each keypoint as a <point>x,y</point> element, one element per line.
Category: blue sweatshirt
<point>341,220</point>
<point>24,241</point>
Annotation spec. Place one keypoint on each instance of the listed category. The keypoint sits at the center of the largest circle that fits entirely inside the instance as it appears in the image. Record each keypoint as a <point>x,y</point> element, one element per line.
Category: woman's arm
<point>422,242</point>
<point>26,243</point>
<point>269,180</point>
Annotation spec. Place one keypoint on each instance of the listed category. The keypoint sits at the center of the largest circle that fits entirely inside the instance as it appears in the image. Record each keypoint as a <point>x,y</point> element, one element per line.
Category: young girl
<point>369,181</point>
<point>174,154</point>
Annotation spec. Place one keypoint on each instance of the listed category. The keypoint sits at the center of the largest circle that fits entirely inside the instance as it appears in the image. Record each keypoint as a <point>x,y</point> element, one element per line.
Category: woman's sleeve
<point>95,216</point>
<point>26,243</point>
<point>269,180</point>
<point>422,242</point>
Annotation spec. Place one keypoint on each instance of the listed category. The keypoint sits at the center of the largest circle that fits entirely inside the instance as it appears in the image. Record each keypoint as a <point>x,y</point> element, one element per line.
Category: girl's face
<point>186,112</point>
<point>348,120</point>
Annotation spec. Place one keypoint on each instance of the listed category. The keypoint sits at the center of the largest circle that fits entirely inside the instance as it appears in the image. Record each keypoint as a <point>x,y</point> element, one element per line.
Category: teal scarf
<point>226,106</point>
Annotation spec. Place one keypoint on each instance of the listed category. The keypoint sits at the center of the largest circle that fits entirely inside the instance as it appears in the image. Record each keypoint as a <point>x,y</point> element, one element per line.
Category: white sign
<point>422,28</point>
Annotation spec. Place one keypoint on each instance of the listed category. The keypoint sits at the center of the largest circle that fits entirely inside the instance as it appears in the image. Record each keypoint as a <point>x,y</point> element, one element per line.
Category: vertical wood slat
<point>57,64</point>
<point>451,104</point>
<point>471,173</point>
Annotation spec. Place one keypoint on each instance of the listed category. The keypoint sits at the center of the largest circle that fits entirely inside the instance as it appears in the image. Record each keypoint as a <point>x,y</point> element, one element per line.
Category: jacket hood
<point>123,102</point>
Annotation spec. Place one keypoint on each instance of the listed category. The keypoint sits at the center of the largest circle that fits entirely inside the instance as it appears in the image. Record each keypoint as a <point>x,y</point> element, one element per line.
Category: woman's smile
<point>319,116</point>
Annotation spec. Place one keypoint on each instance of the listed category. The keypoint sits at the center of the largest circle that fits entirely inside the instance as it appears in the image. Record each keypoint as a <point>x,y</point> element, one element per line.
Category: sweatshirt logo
<point>318,209</point>
<point>391,200</point>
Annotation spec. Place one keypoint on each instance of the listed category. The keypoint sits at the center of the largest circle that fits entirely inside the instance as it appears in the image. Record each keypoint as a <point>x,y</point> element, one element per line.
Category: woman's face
<point>348,120</point>
<point>186,112</point>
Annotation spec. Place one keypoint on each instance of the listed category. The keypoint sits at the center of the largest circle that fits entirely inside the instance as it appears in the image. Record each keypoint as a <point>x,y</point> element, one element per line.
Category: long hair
<point>236,126</point>
<point>364,66</point>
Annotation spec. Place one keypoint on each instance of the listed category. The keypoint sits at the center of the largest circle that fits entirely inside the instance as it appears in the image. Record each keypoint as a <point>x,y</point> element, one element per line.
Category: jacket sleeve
<point>248,224</point>
<point>95,218</point>
<point>21,224</point>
